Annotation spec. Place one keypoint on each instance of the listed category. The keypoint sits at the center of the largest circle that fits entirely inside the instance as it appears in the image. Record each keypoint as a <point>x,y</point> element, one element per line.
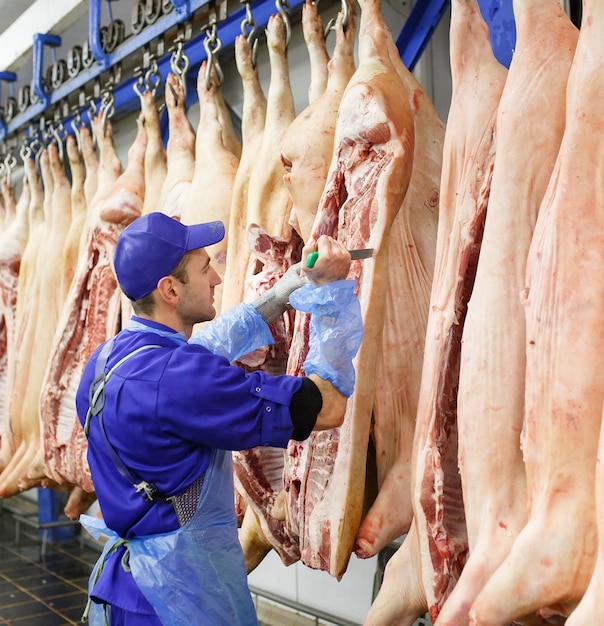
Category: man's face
<point>197,294</point>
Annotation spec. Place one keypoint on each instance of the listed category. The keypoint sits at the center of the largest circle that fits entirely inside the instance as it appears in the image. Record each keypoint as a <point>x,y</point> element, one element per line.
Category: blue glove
<point>236,332</point>
<point>336,331</point>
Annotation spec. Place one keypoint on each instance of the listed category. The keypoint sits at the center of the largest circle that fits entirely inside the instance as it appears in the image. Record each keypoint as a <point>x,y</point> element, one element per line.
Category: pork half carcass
<point>16,374</point>
<point>267,247</point>
<point>367,180</point>
<point>307,147</point>
<point>313,31</point>
<point>552,559</point>
<point>210,194</point>
<point>411,267</point>
<point>156,167</point>
<point>23,471</point>
<point>530,124</point>
<point>90,315</point>
<point>591,603</point>
<point>71,249</point>
<point>53,275</point>
<point>12,246</point>
<point>180,151</point>
<point>469,154</point>
<point>438,529</point>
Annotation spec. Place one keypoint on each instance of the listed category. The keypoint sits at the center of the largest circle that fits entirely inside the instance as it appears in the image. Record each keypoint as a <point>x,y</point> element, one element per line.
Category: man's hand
<point>332,264</point>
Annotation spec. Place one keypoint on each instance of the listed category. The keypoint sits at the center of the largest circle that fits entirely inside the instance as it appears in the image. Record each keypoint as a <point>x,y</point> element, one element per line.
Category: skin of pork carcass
<point>266,201</point>
<point>71,249</point>
<point>253,119</point>
<point>213,177</point>
<point>551,561</point>
<point>307,147</point>
<point>12,246</point>
<point>91,162</point>
<point>180,151</point>
<point>270,246</point>
<point>9,200</point>
<point>125,201</point>
<point>16,367</point>
<point>530,124</point>
<point>90,316</point>
<point>25,471</point>
<point>312,29</point>
<point>24,432</point>
<point>156,167</point>
<point>368,178</point>
<point>411,267</point>
<point>468,158</point>
<point>230,137</point>
<point>401,598</point>
<point>591,603</point>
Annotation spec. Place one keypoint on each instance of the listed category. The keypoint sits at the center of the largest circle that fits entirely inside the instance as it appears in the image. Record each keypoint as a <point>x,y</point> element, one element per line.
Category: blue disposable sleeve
<point>336,331</point>
<point>236,332</point>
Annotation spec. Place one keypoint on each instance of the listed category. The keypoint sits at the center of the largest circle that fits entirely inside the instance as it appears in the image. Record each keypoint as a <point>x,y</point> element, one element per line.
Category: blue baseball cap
<point>153,245</point>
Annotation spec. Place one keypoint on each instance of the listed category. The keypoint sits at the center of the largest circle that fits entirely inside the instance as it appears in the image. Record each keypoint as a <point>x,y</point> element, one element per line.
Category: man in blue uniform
<point>162,410</point>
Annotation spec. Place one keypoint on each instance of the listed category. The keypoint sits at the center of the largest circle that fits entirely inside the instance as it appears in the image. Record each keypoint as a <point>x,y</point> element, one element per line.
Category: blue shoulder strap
<point>96,399</point>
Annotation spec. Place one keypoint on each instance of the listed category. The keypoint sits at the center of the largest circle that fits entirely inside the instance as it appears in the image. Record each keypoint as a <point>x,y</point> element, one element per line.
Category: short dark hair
<point>146,304</point>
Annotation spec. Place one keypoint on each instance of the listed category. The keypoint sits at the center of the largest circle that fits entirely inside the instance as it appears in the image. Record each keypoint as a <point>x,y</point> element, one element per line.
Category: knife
<point>355,255</point>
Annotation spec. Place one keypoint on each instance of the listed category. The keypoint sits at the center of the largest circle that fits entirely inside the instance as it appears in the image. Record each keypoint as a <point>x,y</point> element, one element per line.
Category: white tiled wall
<point>348,599</point>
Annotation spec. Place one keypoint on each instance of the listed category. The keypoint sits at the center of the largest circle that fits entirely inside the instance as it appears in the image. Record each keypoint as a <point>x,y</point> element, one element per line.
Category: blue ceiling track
<point>125,98</point>
<point>426,15</point>
<point>415,35</point>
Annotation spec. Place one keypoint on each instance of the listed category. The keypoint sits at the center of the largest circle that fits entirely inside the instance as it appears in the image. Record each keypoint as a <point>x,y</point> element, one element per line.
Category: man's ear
<point>166,289</point>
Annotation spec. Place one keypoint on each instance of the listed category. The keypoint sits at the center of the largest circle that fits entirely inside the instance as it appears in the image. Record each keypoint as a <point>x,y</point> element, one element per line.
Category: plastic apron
<point>195,574</point>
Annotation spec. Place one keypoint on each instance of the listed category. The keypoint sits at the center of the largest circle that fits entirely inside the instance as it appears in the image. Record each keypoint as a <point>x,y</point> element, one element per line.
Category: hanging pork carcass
<point>156,166</point>
<point>307,143</point>
<point>259,223</point>
<point>411,268</point>
<point>52,277</point>
<point>367,181</point>
<point>180,150</point>
<point>552,559</point>
<point>12,246</point>
<point>490,412</point>
<point>437,540</point>
<point>41,322</point>
<point>90,315</point>
<point>259,197</point>
<point>210,194</point>
<point>16,374</point>
<point>307,147</point>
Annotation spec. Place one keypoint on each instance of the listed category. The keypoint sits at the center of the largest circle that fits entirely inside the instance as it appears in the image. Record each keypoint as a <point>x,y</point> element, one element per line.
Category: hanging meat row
<point>473,429</point>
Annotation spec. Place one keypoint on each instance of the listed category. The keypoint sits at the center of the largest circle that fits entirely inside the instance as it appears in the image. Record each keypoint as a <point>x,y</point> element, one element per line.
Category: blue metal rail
<point>125,98</point>
<point>417,30</point>
<point>426,15</point>
<point>411,42</point>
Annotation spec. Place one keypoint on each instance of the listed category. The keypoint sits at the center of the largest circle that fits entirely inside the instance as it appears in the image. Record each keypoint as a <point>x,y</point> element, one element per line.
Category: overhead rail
<point>97,67</point>
<point>421,22</point>
<point>425,16</point>
<point>103,53</point>
<point>92,76</point>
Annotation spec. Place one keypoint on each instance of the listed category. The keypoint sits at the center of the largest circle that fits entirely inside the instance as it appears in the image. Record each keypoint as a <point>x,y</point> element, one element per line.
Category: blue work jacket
<point>165,410</point>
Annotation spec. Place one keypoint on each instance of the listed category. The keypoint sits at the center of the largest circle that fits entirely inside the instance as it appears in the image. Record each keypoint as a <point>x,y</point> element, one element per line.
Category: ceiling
<point>11,10</point>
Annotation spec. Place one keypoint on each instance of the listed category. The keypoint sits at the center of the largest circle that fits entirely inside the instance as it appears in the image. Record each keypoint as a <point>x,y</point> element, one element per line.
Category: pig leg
<point>155,154</point>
